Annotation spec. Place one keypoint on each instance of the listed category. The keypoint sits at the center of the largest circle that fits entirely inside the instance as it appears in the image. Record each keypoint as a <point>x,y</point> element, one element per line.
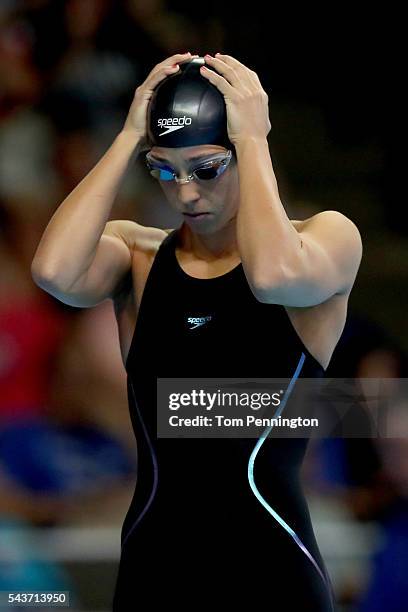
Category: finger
<point>162,70</point>
<point>216,79</point>
<point>178,58</point>
<point>222,68</point>
<point>251,75</point>
<point>158,75</point>
<point>173,59</point>
<point>165,68</point>
<point>231,61</point>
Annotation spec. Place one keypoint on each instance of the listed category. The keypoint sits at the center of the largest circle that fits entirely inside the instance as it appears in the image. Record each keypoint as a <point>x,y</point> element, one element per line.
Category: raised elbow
<point>43,276</point>
<point>267,285</point>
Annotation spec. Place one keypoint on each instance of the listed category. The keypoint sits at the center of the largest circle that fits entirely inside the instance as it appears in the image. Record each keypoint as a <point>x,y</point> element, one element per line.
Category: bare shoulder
<point>327,218</point>
<point>137,237</point>
<point>328,222</point>
<point>335,228</point>
<point>338,236</point>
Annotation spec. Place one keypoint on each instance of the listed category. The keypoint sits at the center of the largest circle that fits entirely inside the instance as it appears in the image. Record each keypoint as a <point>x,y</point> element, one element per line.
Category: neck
<point>209,247</point>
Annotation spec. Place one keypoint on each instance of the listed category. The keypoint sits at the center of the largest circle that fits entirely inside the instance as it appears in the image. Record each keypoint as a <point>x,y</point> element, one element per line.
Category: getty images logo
<point>173,123</point>
<point>198,321</point>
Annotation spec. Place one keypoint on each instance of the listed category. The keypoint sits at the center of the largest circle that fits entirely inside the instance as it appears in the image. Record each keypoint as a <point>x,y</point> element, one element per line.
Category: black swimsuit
<point>195,534</point>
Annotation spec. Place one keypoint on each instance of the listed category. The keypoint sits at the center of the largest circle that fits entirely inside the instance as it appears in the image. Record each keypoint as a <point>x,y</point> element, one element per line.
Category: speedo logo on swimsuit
<point>173,123</point>
<point>198,321</point>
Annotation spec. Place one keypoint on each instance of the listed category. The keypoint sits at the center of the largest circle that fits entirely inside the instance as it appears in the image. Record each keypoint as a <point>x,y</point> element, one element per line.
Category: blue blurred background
<point>68,71</point>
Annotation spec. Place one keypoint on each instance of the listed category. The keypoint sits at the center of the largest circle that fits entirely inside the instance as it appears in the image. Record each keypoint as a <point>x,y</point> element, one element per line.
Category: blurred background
<point>68,71</point>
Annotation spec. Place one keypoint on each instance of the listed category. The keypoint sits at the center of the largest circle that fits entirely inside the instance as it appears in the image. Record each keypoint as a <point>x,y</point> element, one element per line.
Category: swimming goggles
<point>205,171</point>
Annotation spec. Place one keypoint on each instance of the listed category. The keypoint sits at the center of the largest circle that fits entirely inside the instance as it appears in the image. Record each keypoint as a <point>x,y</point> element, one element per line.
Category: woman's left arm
<point>282,265</point>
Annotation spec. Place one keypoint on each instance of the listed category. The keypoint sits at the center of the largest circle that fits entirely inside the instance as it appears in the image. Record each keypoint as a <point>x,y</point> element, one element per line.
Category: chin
<point>202,227</point>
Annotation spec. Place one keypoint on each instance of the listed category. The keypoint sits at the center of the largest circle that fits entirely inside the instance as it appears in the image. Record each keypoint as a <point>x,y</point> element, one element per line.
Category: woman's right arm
<point>81,257</point>
<point>74,238</point>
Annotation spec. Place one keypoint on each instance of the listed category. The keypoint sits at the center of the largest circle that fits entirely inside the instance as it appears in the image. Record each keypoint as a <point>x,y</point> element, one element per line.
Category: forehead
<point>180,154</point>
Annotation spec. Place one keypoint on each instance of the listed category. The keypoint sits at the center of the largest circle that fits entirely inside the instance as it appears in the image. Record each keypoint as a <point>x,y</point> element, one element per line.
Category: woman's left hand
<point>246,101</point>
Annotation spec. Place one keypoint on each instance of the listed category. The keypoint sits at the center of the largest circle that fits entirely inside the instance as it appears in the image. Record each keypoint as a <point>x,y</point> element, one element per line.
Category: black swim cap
<point>187,110</point>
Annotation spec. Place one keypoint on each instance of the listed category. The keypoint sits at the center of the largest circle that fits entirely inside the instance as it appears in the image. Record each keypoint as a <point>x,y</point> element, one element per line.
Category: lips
<point>196,214</point>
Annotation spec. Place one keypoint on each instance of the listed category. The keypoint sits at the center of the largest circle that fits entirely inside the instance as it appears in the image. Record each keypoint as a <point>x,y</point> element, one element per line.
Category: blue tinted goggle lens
<point>161,173</point>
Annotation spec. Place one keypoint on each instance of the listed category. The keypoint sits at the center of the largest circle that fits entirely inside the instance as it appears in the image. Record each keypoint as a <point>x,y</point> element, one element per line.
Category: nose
<point>188,192</point>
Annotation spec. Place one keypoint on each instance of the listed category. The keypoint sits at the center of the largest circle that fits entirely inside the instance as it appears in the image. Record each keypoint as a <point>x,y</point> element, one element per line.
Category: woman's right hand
<point>137,116</point>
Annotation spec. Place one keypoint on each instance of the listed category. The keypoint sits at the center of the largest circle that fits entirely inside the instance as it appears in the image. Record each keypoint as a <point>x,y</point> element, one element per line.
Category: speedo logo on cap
<point>173,123</point>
